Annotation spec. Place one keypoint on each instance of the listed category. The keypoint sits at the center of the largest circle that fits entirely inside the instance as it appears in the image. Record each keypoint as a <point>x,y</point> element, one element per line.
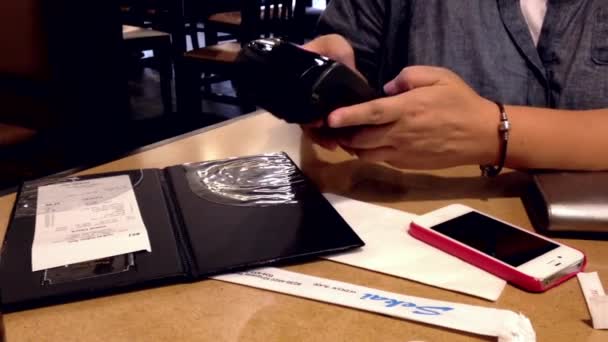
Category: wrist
<point>502,130</point>
<point>489,142</point>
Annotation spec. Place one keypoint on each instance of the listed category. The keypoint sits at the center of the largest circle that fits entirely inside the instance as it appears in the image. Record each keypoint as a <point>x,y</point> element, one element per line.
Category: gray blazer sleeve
<point>362,23</point>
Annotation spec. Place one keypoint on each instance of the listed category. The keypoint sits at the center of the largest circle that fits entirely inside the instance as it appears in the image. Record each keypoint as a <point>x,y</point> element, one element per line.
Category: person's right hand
<point>335,47</point>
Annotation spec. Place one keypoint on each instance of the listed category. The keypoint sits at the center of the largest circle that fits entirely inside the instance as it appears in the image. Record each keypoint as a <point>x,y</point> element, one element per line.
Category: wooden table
<point>210,310</point>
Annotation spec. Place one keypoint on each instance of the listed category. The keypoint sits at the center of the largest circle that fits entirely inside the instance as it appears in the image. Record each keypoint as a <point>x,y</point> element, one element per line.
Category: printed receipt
<point>86,220</point>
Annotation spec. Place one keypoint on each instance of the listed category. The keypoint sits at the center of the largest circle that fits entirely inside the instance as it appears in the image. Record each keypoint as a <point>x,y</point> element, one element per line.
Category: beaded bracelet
<point>503,131</point>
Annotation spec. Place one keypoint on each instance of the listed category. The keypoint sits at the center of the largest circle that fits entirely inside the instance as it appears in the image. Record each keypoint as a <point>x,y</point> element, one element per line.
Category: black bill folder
<point>202,219</point>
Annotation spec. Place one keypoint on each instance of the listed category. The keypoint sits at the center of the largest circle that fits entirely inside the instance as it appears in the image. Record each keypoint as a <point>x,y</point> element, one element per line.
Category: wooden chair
<point>160,15</point>
<point>147,13</point>
<point>272,17</point>
<point>199,17</point>
<point>138,39</point>
<point>280,18</point>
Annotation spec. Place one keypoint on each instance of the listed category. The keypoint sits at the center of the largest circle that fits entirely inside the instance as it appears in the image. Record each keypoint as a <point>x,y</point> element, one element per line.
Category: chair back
<point>24,65</point>
<point>279,18</point>
<point>61,63</point>
<point>203,9</point>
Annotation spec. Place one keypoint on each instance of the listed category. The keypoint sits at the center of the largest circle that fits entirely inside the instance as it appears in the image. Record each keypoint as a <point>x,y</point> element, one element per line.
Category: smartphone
<point>523,258</point>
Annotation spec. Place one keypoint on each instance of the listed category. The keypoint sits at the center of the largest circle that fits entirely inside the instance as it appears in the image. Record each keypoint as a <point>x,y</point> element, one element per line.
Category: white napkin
<point>390,249</point>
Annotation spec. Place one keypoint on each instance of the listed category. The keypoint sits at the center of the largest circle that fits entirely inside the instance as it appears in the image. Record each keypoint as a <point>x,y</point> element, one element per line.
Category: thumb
<point>415,77</point>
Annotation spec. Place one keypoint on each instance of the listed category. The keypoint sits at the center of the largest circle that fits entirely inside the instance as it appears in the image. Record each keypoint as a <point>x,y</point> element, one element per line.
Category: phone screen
<point>494,238</point>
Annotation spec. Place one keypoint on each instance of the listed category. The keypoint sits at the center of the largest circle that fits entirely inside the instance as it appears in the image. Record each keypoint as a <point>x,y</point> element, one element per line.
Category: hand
<point>320,135</point>
<point>431,119</point>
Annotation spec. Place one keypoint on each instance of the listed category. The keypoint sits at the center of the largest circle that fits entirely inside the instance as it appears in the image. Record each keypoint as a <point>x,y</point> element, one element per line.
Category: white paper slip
<point>87,220</point>
<point>390,249</point>
<point>504,324</point>
<point>596,299</point>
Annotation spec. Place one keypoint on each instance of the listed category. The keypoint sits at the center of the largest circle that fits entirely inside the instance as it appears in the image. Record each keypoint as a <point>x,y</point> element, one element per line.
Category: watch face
<point>280,76</point>
<point>277,59</point>
<point>295,84</point>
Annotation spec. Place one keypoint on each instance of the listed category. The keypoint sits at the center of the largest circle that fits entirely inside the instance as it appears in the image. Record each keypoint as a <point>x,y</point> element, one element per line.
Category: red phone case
<point>485,262</point>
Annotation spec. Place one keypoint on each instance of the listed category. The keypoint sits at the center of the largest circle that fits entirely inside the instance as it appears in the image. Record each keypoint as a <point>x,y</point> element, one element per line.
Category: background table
<point>212,310</point>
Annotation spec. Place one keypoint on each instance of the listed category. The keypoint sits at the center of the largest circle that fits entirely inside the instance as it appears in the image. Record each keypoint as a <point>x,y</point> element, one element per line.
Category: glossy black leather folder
<point>265,213</point>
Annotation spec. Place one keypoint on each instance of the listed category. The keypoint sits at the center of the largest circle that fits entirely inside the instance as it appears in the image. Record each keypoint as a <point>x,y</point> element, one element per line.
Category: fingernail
<point>318,124</point>
<point>389,88</point>
<point>334,120</point>
<point>329,145</point>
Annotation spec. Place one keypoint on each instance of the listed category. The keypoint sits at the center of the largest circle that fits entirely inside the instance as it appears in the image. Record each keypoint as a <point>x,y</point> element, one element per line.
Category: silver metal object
<point>569,202</point>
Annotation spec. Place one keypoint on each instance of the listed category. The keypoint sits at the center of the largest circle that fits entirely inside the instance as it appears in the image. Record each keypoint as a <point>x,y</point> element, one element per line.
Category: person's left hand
<point>431,119</point>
